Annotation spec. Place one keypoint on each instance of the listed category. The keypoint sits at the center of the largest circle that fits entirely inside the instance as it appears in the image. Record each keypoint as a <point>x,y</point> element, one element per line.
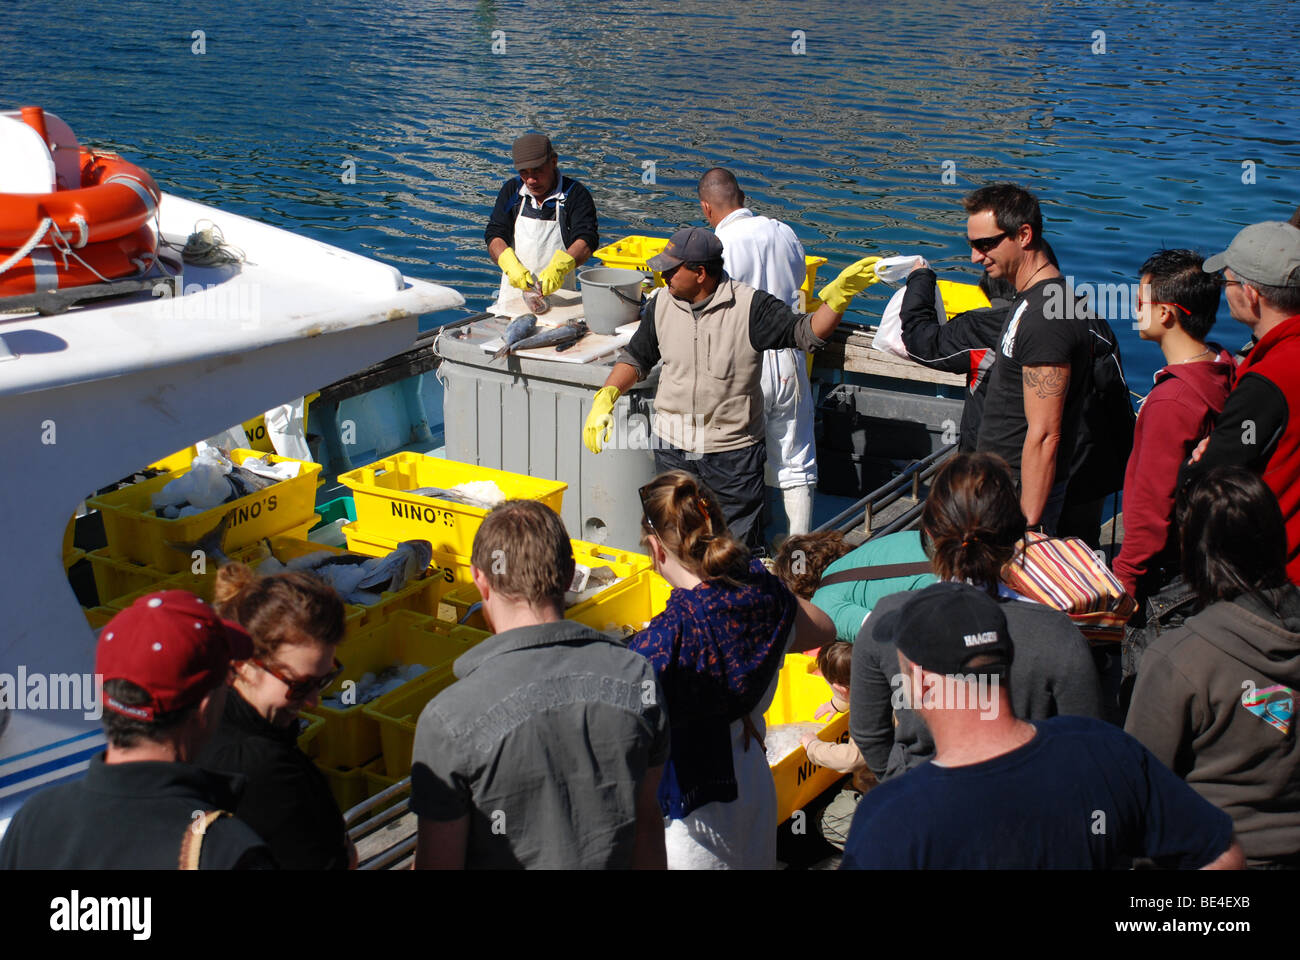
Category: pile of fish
<point>523,334</point>
<point>214,479</point>
<point>371,686</point>
<point>587,582</point>
<point>357,579</point>
<point>484,494</point>
<point>783,739</point>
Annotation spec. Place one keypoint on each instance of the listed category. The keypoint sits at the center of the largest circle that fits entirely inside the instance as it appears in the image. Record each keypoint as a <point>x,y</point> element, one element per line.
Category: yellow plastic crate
<point>349,784</point>
<point>97,617</point>
<point>634,253</point>
<point>626,606</point>
<point>307,738</point>
<point>378,779</point>
<point>117,572</point>
<point>457,600</point>
<point>798,695</point>
<point>350,737</point>
<point>136,533</point>
<point>396,714</point>
<point>70,553</point>
<point>960,297</point>
<point>387,510</point>
<point>257,439</point>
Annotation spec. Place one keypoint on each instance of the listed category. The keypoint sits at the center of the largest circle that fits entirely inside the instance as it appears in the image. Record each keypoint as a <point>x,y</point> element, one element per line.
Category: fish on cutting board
<point>561,337</point>
<point>519,329</point>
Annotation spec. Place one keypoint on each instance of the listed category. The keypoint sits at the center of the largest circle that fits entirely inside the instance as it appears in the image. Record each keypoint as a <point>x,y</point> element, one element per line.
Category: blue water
<point>1137,147</point>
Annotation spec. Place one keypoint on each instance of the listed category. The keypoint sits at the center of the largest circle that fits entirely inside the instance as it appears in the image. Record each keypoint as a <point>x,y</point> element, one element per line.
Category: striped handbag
<point>1064,573</point>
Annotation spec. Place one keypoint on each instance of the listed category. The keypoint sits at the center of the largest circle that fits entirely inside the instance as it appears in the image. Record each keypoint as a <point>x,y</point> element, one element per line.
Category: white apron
<point>535,243</point>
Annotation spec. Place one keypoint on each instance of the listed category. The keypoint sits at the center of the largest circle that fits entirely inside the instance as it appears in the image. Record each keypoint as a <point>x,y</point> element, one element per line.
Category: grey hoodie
<point>1215,702</point>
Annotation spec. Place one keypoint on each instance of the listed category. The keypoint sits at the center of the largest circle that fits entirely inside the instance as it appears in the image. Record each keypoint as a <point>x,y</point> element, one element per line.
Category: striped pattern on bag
<point>1062,572</point>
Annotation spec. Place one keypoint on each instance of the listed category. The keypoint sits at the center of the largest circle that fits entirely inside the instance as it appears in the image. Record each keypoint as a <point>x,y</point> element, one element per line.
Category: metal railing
<point>908,484</point>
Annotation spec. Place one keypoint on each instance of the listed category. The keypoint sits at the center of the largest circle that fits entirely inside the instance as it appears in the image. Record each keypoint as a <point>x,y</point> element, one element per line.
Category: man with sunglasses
<point>1261,278</point>
<point>1036,391</point>
<point>1176,307</point>
<point>710,331</point>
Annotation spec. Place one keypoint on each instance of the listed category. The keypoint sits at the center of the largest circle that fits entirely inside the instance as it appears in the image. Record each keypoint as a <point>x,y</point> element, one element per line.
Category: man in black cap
<point>1261,276</point>
<point>164,662</point>
<point>1063,793</point>
<point>543,225</point>
<point>710,331</point>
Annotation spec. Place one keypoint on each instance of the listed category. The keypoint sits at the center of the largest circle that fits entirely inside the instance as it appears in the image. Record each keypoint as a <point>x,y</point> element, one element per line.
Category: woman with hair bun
<point>296,622</point>
<point>970,527</point>
<point>717,650</point>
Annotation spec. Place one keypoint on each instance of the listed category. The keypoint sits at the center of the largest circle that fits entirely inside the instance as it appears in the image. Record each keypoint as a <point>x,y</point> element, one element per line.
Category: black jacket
<point>966,344</point>
<point>131,816</point>
<point>286,799</point>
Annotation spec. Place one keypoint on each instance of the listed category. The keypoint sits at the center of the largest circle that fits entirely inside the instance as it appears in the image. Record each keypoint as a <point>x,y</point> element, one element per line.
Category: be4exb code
<point>1224,902</point>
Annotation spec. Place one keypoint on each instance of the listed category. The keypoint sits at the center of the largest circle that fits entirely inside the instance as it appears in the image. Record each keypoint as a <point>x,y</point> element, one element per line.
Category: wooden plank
<point>850,349</point>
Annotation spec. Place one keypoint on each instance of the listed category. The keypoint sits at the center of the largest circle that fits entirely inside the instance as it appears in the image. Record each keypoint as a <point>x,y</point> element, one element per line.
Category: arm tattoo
<point>1047,381</point>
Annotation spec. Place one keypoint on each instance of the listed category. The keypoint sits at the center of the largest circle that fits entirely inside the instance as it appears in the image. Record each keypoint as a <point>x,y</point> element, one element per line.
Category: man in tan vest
<point>710,331</point>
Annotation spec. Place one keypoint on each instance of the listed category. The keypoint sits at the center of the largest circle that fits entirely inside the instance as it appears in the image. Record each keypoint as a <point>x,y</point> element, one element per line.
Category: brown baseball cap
<point>688,245</point>
<point>531,150</point>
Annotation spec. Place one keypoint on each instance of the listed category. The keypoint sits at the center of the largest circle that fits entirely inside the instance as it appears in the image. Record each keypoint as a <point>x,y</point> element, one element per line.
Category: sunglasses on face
<point>645,509</point>
<point>985,244</point>
<point>305,687</point>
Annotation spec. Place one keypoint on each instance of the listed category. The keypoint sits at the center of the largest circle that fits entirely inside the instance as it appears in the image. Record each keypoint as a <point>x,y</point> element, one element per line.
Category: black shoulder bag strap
<point>886,571</point>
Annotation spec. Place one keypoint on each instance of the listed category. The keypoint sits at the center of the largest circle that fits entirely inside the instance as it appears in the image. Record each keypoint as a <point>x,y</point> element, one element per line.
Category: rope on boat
<point>22,252</point>
<point>208,248</point>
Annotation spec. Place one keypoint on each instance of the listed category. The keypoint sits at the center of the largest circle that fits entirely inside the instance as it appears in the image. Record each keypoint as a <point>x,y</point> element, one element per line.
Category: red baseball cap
<point>171,644</point>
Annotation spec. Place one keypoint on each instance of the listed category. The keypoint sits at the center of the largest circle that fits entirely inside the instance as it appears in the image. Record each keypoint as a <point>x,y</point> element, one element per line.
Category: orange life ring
<point>104,225</point>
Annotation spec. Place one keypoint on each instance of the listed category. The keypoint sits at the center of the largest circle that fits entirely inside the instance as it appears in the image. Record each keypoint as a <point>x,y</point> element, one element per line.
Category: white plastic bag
<point>889,335</point>
<point>284,428</point>
<point>204,486</point>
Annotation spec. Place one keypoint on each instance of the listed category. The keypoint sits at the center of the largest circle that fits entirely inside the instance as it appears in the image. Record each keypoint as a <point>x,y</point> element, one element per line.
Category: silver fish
<point>534,300</point>
<point>520,327</point>
<point>244,482</point>
<point>454,496</point>
<point>210,543</point>
<point>360,580</point>
<point>561,337</point>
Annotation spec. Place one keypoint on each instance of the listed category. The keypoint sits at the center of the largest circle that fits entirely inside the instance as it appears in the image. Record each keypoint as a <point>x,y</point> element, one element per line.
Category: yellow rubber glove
<point>552,276</point>
<point>515,271</point>
<point>600,418</point>
<point>853,280</point>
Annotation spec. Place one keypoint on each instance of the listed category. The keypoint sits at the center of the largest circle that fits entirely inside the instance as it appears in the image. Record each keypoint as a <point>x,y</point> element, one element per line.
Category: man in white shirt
<point>766,254</point>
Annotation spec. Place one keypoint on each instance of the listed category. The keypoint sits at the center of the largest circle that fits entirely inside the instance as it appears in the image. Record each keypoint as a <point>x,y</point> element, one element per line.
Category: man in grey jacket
<point>710,331</point>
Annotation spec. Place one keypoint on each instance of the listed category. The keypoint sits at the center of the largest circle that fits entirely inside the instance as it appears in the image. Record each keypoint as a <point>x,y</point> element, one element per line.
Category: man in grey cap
<point>710,331</point>
<point>1261,273</point>
<point>543,225</point>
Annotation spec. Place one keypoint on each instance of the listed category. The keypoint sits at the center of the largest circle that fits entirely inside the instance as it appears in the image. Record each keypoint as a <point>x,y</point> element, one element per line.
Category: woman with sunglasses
<point>717,650</point>
<point>296,622</point>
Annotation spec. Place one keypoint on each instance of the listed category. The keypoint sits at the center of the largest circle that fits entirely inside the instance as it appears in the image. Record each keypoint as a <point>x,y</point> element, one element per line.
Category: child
<point>1176,310</point>
<point>835,661</point>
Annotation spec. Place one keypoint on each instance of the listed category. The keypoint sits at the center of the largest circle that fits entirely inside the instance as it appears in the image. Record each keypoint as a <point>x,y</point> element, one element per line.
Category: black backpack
<point>1105,437</point>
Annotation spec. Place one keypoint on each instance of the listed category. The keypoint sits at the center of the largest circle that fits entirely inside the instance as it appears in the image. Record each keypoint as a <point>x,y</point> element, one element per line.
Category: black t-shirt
<point>131,816</point>
<point>1044,327</point>
<point>1080,795</point>
<point>285,798</point>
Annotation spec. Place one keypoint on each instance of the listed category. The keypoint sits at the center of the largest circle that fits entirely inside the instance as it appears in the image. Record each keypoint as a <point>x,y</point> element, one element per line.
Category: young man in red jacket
<point>1176,308</point>
<point>1259,427</point>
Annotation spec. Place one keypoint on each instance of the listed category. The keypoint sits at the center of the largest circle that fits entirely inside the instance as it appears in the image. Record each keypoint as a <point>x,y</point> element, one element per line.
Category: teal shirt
<point>848,604</point>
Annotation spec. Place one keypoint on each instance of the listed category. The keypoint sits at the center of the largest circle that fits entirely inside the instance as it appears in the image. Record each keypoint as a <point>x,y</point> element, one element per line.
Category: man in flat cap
<point>543,225</point>
<point>1259,427</point>
<point>710,331</point>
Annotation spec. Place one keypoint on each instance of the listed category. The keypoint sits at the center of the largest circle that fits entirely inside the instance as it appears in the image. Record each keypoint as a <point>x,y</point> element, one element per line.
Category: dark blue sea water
<point>1139,146</point>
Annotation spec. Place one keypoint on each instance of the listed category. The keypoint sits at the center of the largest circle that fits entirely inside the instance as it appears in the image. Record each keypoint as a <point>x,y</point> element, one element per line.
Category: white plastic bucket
<point>611,297</point>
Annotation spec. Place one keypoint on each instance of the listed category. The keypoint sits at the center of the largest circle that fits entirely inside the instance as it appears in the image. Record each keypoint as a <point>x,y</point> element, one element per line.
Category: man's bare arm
<point>441,844</point>
<point>1230,859</point>
<point>1045,387</point>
